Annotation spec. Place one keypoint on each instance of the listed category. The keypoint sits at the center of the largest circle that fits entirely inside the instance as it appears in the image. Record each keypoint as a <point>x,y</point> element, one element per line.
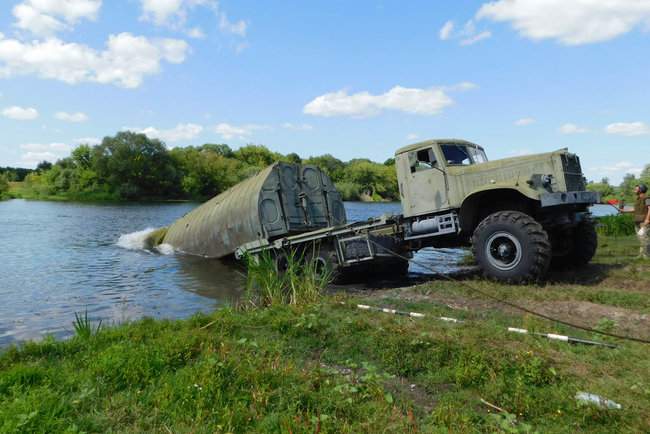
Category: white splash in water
<point>165,249</point>
<point>134,240</point>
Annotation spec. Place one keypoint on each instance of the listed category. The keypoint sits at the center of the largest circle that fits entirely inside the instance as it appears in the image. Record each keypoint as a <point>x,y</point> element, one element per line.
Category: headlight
<point>547,180</point>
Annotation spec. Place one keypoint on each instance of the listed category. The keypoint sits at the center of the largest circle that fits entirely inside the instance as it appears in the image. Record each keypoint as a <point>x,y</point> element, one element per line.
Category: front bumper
<point>569,198</point>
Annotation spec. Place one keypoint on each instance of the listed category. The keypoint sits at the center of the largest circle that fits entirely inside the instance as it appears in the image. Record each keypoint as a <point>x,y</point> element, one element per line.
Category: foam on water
<point>165,249</point>
<point>134,240</point>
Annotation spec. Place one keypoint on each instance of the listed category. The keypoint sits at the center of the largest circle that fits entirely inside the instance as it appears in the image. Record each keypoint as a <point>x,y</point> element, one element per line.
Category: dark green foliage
<point>15,174</point>
<point>4,186</point>
<point>136,166</point>
<point>616,225</point>
<point>130,166</point>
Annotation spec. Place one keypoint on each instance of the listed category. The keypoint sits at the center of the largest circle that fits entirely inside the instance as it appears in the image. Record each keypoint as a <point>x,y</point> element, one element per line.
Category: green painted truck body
<point>439,184</point>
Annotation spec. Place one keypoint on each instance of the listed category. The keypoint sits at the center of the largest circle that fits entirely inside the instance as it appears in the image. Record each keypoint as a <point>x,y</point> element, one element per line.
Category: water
<point>60,258</point>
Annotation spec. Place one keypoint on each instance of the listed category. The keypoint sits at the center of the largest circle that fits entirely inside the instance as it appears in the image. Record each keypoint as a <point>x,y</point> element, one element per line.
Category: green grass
<point>321,365</point>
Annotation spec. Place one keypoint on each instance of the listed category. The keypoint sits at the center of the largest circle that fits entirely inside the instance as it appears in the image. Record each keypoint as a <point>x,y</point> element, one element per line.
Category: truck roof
<point>422,144</point>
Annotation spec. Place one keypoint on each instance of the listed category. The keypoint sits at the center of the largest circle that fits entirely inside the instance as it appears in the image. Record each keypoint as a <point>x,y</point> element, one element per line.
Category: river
<point>59,258</point>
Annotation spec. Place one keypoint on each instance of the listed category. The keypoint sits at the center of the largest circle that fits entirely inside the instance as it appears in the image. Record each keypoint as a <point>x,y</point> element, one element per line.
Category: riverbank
<point>330,367</point>
<point>19,190</point>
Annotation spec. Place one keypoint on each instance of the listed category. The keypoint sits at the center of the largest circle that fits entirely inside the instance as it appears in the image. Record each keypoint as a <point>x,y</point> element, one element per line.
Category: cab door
<point>427,186</point>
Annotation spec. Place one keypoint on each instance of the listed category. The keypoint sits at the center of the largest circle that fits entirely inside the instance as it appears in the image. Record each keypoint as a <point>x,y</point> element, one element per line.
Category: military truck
<point>519,215</point>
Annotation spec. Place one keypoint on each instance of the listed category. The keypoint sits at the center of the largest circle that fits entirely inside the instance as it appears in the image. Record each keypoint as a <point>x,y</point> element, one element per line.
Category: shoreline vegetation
<point>294,359</point>
<point>133,167</point>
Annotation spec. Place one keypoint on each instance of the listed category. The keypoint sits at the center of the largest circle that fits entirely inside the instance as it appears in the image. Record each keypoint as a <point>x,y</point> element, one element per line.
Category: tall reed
<point>292,277</point>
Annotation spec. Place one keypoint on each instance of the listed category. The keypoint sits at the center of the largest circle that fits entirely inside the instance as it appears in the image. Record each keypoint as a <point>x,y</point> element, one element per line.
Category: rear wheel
<point>511,246</point>
<point>581,246</point>
<point>324,261</point>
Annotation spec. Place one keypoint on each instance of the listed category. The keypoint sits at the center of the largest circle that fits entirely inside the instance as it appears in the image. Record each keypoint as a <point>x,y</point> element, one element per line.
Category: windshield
<point>463,155</point>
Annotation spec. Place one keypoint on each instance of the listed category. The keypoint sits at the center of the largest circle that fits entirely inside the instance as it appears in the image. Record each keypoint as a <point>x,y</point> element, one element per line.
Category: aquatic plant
<point>83,326</point>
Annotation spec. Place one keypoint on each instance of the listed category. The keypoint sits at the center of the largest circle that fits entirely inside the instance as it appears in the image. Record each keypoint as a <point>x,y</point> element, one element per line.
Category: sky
<point>353,79</point>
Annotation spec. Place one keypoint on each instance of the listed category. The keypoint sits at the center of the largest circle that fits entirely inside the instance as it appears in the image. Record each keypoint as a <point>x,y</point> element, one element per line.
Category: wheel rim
<point>503,251</point>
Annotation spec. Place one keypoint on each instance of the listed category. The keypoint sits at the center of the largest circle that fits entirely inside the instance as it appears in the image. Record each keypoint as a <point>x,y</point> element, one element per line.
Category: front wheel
<point>511,246</point>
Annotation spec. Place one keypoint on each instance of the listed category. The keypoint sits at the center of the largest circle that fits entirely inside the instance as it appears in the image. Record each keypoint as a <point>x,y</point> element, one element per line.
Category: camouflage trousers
<point>644,249</point>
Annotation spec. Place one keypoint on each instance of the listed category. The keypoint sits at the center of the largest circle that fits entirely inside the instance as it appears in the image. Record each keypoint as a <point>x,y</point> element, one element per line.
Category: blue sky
<point>354,79</point>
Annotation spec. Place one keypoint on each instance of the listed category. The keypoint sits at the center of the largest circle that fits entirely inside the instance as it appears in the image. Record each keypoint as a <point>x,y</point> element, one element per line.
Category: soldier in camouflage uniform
<point>642,219</point>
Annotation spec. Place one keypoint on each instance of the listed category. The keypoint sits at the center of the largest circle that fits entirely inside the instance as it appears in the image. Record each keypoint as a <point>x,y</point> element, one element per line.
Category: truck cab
<point>423,171</point>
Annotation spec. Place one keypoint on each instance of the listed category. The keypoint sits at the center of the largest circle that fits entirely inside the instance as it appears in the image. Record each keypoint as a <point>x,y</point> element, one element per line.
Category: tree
<point>82,156</point>
<point>43,166</point>
<point>221,149</point>
<point>256,155</point>
<point>331,165</point>
<point>294,158</point>
<point>205,172</point>
<point>136,166</point>
<point>602,187</point>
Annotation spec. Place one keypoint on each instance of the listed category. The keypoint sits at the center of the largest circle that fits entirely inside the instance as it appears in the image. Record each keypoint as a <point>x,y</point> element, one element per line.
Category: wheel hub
<point>503,251</point>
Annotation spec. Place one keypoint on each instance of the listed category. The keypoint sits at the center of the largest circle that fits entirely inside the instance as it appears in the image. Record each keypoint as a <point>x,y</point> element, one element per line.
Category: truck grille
<point>572,173</point>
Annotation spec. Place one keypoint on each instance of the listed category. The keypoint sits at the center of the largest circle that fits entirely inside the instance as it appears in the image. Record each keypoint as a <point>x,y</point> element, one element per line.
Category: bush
<point>616,225</point>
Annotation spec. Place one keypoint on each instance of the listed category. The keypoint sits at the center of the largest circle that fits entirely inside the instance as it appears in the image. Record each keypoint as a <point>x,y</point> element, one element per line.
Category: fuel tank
<point>283,199</point>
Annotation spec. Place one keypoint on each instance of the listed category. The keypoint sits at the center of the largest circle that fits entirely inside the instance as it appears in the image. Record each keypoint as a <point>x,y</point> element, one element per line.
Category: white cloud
<point>40,147</point>
<point>412,136</point>
<point>46,17</point>
<point>569,22</point>
<point>629,129</point>
<point>362,104</point>
<point>476,38</point>
<point>238,28</point>
<point>524,121</point>
<point>445,31</point>
<point>468,35</point>
<point>178,133</point>
<point>87,141</point>
<point>37,152</point>
<point>71,117</point>
<point>20,113</point>
<point>125,62</point>
<point>228,131</point>
<point>572,129</point>
<point>171,13</point>
<point>195,33</point>
<point>33,158</point>
<point>617,169</point>
<point>297,127</point>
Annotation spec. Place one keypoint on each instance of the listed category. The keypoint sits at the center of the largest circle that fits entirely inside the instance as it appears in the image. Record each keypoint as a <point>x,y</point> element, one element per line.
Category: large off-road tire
<point>584,243</point>
<point>511,246</point>
<point>325,263</point>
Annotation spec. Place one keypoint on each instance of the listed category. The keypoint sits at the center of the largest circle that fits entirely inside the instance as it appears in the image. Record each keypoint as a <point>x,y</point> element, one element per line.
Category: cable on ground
<point>508,303</point>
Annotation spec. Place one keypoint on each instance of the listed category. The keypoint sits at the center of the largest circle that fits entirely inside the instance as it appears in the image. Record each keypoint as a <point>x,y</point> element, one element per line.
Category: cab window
<point>424,159</point>
<point>456,155</point>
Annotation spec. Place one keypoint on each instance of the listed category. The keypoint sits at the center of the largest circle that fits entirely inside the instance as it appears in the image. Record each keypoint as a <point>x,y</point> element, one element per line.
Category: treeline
<point>624,191</point>
<point>11,174</point>
<point>131,166</point>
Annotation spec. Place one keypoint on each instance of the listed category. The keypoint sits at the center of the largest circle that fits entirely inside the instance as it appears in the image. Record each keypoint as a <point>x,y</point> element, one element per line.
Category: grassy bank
<point>325,366</point>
